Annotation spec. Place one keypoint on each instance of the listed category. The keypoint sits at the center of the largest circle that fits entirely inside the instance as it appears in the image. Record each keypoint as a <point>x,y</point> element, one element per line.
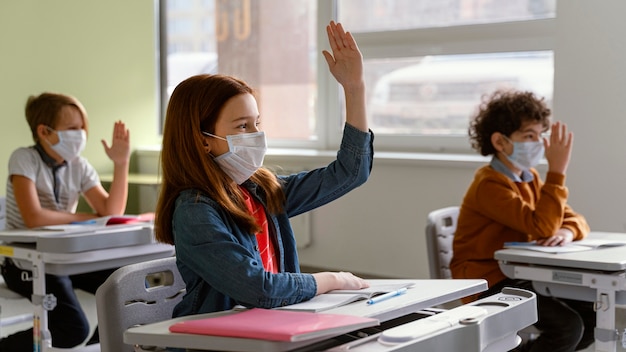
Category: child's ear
<point>42,131</point>
<point>206,145</point>
<point>498,141</point>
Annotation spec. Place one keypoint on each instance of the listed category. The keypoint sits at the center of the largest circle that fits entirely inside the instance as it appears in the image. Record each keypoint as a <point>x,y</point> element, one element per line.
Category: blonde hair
<point>44,109</point>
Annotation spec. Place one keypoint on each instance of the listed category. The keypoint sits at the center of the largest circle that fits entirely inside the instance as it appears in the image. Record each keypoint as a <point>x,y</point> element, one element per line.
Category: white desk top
<point>604,259</point>
<point>424,294</point>
<point>87,249</point>
<point>80,238</point>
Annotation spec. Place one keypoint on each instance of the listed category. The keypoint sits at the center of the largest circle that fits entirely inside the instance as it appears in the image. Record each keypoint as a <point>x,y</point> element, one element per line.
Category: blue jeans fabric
<point>67,322</point>
<point>566,325</point>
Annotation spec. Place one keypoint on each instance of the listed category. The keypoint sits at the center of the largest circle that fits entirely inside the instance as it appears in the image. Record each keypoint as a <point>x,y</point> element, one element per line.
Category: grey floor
<point>13,307</point>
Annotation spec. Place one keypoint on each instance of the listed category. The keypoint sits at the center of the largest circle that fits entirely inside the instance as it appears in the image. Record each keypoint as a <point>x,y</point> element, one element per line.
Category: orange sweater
<point>496,210</point>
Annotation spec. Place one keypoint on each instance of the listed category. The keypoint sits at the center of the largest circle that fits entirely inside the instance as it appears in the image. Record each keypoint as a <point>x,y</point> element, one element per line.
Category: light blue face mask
<point>245,155</point>
<point>71,143</point>
<point>526,155</point>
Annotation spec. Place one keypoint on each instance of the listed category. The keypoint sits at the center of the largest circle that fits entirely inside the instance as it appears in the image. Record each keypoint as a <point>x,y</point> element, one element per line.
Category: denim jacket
<point>220,262</point>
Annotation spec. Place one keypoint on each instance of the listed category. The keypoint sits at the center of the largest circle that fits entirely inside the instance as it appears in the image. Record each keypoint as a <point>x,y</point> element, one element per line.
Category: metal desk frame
<point>78,250</point>
<point>597,275</point>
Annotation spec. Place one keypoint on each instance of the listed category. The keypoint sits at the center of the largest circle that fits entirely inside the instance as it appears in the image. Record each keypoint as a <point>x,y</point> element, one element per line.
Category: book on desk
<point>274,325</point>
<point>575,246</point>
<point>102,221</point>
<point>338,298</point>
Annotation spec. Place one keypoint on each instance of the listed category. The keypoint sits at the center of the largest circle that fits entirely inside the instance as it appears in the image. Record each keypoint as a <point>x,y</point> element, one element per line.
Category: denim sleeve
<point>214,248</point>
<point>308,190</point>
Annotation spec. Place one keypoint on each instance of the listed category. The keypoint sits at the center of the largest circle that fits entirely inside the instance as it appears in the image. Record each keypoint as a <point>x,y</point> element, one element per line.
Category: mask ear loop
<point>213,135</point>
<point>207,145</point>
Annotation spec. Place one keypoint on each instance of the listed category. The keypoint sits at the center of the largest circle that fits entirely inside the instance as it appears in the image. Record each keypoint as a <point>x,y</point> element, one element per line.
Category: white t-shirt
<point>73,179</point>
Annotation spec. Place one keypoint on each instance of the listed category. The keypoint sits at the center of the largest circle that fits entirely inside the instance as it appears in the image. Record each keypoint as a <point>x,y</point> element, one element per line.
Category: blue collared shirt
<point>220,262</point>
<point>499,166</point>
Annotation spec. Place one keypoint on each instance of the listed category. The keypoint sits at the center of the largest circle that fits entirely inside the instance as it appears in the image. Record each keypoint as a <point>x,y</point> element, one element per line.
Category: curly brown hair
<point>505,112</point>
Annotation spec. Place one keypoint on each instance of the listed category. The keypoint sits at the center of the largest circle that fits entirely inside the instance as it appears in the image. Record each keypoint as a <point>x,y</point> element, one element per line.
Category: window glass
<point>436,95</point>
<point>427,62</point>
<point>385,15</point>
<point>270,44</point>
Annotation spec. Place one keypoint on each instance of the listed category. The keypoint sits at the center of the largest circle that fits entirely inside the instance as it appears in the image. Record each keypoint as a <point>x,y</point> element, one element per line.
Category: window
<point>435,95</point>
<point>272,45</point>
<point>427,62</point>
<point>382,15</point>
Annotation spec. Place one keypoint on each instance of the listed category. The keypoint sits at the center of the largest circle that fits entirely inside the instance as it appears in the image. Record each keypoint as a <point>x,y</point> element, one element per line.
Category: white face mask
<point>245,155</point>
<point>526,155</point>
<point>71,143</point>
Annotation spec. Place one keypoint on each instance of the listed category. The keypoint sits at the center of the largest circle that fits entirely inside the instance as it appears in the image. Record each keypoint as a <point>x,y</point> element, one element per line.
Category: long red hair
<point>194,107</point>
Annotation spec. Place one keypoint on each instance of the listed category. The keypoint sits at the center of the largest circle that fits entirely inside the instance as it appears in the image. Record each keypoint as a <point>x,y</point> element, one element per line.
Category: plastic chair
<point>440,229</point>
<point>133,295</point>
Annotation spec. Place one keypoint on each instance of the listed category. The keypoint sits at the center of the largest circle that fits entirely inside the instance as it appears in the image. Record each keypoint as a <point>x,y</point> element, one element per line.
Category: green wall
<point>102,52</point>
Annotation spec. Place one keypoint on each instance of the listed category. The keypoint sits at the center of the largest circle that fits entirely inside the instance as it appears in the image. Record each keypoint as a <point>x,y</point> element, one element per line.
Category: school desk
<point>68,250</point>
<point>493,329</point>
<point>596,275</point>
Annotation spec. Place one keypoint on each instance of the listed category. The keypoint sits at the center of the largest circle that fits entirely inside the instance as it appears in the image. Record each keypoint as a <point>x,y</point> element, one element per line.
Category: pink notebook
<point>130,219</point>
<point>275,325</point>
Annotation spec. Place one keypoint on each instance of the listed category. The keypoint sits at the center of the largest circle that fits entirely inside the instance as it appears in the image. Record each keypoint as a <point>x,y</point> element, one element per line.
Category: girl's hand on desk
<point>328,281</point>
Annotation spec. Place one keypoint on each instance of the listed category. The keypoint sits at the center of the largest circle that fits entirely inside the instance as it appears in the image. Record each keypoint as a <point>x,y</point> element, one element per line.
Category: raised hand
<point>119,151</point>
<point>559,148</point>
<point>345,63</point>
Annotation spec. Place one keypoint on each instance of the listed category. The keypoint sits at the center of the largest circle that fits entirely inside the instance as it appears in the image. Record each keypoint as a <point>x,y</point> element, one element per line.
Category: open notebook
<point>338,298</point>
<point>274,325</point>
<point>576,246</point>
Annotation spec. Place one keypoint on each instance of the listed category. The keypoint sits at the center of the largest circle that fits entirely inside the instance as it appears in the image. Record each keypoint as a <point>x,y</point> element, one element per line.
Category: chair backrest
<point>134,295</point>
<point>440,229</point>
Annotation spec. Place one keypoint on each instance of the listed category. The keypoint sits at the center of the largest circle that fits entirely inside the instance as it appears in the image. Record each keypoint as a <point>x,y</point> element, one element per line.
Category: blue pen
<point>531,243</point>
<point>85,222</point>
<point>386,296</point>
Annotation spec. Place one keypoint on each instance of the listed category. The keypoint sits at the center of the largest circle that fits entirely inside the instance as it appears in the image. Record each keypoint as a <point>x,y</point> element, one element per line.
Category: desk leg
<point>42,340</point>
<point>605,333</point>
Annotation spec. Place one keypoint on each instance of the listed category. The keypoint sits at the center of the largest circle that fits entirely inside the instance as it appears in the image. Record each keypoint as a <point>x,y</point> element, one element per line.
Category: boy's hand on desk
<point>560,238</point>
<point>119,151</point>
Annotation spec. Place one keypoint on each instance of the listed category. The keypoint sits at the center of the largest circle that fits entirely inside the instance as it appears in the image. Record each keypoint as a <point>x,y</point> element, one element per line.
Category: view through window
<point>271,45</point>
<point>427,62</point>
